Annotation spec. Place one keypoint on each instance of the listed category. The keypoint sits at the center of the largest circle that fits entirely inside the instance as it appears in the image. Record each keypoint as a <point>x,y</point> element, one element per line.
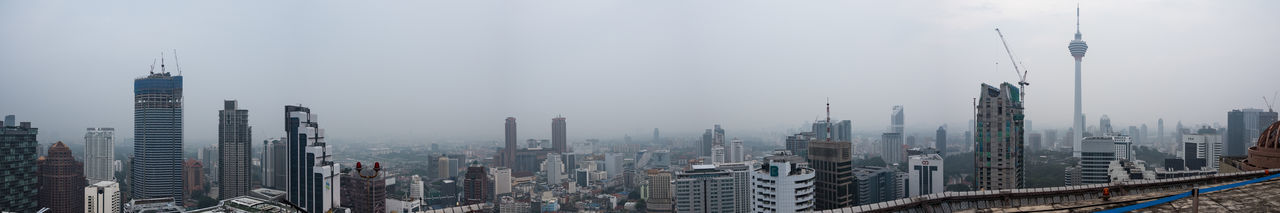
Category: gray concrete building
<point>235,147</point>
<point>998,144</point>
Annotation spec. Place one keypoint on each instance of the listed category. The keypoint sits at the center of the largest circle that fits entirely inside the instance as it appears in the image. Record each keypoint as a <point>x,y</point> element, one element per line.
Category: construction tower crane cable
<point>1022,74</point>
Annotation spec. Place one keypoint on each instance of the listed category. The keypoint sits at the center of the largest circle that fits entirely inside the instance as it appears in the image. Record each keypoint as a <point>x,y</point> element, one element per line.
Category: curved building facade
<point>782,185</point>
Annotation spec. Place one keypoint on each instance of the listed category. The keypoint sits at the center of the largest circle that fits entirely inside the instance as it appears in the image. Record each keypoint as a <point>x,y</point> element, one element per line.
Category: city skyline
<point>599,51</point>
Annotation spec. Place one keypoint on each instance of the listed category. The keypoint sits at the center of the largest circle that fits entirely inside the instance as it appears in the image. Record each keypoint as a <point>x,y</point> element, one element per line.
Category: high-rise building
<point>783,183</point>
<point>737,153</point>
<point>798,143</point>
<point>1104,126</point>
<point>1243,127</point>
<point>718,138</point>
<point>275,164</point>
<point>1077,48</point>
<point>891,148</point>
<point>314,181</point>
<point>364,194</point>
<point>706,188</point>
<point>1123,146</point>
<point>656,139</point>
<point>840,131</point>
<point>416,187</point>
<point>898,120</point>
<point>1097,153</point>
<point>718,154</point>
<point>1050,140</point>
<point>1035,141</point>
<point>18,175</point>
<point>102,197</point>
<point>157,137</point>
<point>832,161</point>
<point>61,180</point>
<point>99,154</point>
<point>940,141</point>
<point>613,164</point>
<point>707,141</point>
<point>501,180</point>
<point>208,157</point>
<point>1206,144</point>
<point>875,184</point>
<point>475,184</point>
<point>925,175</point>
<point>558,137</point>
<point>509,151</point>
<point>553,167</point>
<point>998,144</point>
<point>660,191</point>
<point>1160,132</point>
<point>192,178</point>
<point>235,146</point>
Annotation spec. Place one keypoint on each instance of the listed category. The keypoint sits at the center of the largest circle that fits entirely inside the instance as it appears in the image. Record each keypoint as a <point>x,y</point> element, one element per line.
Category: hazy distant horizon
<point>449,71</point>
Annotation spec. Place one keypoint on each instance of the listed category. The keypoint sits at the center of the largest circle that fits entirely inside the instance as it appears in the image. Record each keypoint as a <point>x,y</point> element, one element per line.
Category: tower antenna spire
<point>1077,17</point>
<point>829,133</point>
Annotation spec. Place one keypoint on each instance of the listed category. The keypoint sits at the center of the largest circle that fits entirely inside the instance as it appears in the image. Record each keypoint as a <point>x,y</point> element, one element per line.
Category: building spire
<point>829,133</point>
<point>1077,18</point>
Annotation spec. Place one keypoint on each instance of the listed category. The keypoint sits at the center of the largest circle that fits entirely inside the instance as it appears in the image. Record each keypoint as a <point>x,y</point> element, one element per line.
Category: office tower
<point>314,180</point>
<point>998,154</point>
<point>1134,134</point>
<point>832,161</point>
<point>1160,131</point>
<point>874,185</point>
<point>1035,141</point>
<point>1104,126</point>
<point>475,184</point>
<point>798,143</point>
<point>61,180</point>
<point>613,164</point>
<point>99,154</point>
<point>940,141</point>
<point>275,164</point>
<point>1097,152</point>
<point>1124,147</point>
<point>705,148</point>
<point>1142,136</point>
<point>741,173</point>
<point>891,148</point>
<point>509,151</point>
<point>706,188</point>
<point>416,187</point>
<point>660,191</point>
<point>1026,126</point>
<point>655,135</point>
<point>840,131</point>
<point>1243,127</point>
<point>442,167</point>
<point>925,176</point>
<point>157,137</point>
<point>1077,48</point>
<point>582,177</point>
<point>102,197</point>
<point>501,180</point>
<point>553,167</point>
<point>1207,145</point>
<point>234,151</point>
<point>718,154</point>
<point>364,194</point>
<point>208,157</point>
<point>558,140</point>
<point>1050,140</point>
<point>10,120</point>
<point>718,138</point>
<point>192,178</point>
<point>18,176</point>
<point>737,152</point>
<point>898,120</point>
<point>911,141</point>
<point>783,183</point>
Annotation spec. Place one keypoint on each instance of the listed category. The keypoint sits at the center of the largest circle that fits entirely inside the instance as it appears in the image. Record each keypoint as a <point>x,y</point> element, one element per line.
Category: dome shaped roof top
<point>1270,138</point>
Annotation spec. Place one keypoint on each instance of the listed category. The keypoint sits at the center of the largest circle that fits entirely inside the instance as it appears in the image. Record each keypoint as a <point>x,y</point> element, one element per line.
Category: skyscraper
<point>875,184</point>
<point>784,183</point>
<point>998,144</point>
<point>1160,132</point>
<point>1104,126</point>
<point>157,137</point>
<point>509,152</point>
<point>840,131</point>
<point>925,175</point>
<point>99,154</point>
<point>655,136</point>
<point>192,178</point>
<point>275,164</point>
<point>553,167</point>
<point>1243,127</point>
<point>898,119</point>
<point>234,151</point>
<point>61,180</point>
<point>1097,152</point>
<point>940,141</point>
<point>102,197</point>
<point>706,188</point>
<point>832,161</point>
<point>558,141</point>
<point>659,191</point>
<point>364,194</point>
<point>891,148</point>
<point>314,180</point>
<point>1077,48</point>
<point>737,153</point>
<point>416,187</point>
<point>475,184</point>
<point>705,147</point>
<point>798,144</point>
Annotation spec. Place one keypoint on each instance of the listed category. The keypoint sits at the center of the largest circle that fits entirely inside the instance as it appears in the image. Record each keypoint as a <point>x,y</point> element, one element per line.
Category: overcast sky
<point>428,70</point>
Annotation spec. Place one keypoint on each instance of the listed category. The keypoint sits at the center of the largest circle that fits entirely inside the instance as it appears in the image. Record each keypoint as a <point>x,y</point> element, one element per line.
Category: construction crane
<point>1022,74</point>
<point>1270,103</point>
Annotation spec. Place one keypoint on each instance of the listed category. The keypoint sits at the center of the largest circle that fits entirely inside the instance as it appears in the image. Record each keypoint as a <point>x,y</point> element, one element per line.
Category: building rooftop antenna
<point>829,135</point>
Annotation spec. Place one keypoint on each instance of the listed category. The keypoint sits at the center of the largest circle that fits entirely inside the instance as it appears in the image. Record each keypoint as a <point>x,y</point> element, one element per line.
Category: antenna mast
<point>829,133</point>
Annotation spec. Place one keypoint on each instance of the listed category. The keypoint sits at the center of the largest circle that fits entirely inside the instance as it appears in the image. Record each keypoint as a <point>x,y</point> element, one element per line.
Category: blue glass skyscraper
<point>157,137</point>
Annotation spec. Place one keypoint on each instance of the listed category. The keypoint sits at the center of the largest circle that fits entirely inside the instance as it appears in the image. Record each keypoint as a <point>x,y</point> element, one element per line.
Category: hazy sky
<point>424,70</point>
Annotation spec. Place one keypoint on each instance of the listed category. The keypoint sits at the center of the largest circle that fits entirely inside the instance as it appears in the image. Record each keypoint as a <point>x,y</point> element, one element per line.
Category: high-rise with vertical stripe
<point>157,137</point>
